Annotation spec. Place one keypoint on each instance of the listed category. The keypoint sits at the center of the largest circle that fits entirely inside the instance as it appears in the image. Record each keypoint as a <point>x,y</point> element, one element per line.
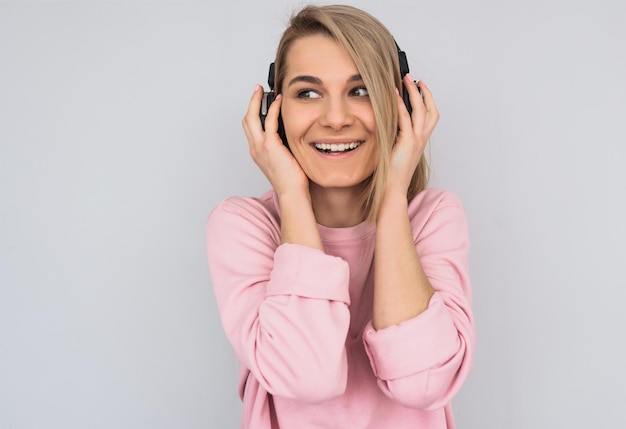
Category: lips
<point>337,147</point>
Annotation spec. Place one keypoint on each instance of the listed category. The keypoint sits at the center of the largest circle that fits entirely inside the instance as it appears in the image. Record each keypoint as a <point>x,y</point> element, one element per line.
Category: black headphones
<point>266,101</point>
<point>268,97</point>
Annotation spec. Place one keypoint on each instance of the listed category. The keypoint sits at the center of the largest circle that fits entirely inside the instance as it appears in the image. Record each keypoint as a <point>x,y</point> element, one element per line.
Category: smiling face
<point>328,117</point>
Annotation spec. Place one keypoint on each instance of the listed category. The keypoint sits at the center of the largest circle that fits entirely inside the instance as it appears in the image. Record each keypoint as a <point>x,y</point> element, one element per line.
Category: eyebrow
<point>317,81</point>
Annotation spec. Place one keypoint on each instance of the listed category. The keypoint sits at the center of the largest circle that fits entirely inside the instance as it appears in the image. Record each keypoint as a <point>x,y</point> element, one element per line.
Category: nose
<point>337,114</point>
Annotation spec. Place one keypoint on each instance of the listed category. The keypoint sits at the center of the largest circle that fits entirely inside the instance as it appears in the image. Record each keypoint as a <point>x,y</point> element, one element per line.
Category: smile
<point>337,148</point>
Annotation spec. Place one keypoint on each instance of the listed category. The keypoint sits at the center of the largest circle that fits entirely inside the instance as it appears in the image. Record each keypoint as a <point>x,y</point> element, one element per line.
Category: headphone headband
<point>404,67</point>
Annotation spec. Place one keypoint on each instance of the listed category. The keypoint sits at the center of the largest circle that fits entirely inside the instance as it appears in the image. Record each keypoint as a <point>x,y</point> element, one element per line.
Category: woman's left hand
<point>414,132</point>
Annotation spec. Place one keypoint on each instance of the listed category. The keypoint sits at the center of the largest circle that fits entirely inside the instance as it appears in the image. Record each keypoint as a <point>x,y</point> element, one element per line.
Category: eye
<point>360,91</point>
<point>308,93</point>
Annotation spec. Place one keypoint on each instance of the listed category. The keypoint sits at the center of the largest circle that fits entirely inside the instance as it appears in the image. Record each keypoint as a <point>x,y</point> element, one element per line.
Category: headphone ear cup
<point>266,101</point>
<point>281,131</point>
<point>405,97</point>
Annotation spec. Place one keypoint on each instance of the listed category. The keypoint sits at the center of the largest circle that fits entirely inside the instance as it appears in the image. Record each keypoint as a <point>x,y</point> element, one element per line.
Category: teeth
<point>341,147</point>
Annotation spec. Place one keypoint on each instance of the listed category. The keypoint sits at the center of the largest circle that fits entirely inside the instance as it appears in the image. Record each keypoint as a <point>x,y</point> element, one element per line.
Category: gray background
<point>121,128</point>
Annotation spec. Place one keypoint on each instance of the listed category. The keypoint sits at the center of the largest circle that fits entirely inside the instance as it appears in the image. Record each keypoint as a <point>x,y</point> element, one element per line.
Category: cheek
<point>373,158</point>
<point>364,113</point>
<point>369,120</point>
<point>292,119</point>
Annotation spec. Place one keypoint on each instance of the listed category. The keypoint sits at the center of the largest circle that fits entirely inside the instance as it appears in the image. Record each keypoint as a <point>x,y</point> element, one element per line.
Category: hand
<point>414,132</point>
<point>267,149</point>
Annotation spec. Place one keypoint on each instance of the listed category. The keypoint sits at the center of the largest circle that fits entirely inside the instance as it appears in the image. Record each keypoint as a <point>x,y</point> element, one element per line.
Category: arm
<point>284,307</point>
<point>421,338</point>
<point>298,225</point>
<point>423,362</point>
<point>402,290</point>
<point>283,301</point>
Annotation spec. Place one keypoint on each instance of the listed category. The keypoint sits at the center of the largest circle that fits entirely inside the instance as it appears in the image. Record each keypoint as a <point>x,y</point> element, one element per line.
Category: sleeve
<point>423,362</point>
<point>284,307</point>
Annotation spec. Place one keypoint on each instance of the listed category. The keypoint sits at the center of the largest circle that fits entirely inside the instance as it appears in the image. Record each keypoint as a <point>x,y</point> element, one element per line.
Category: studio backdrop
<point>120,130</point>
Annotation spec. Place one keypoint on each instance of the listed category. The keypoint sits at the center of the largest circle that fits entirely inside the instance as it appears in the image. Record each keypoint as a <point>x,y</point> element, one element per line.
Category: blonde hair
<point>375,53</point>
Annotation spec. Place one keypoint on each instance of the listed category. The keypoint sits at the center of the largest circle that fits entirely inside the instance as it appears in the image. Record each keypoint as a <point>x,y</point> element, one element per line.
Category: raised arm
<point>421,339</point>
<point>422,362</point>
<point>402,290</point>
<point>283,302</point>
<point>298,225</point>
<point>284,307</point>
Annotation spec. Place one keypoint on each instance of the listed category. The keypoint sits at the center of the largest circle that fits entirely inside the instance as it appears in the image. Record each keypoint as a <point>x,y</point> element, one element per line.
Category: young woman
<point>343,290</point>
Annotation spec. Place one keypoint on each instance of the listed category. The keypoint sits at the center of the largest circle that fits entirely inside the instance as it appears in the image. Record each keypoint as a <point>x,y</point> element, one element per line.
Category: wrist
<point>394,204</point>
<point>293,198</point>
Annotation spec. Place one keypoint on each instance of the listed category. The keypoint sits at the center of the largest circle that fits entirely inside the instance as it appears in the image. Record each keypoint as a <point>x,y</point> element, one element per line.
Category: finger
<point>271,120</point>
<point>404,119</point>
<point>408,146</point>
<point>251,121</point>
<point>429,103</point>
<point>414,93</point>
<point>417,105</point>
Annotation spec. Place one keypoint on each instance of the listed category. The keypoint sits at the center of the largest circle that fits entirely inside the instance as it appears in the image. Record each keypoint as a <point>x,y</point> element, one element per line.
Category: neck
<point>336,207</point>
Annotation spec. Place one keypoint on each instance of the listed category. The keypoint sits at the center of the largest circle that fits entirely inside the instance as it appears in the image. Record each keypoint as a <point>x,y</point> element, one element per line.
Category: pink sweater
<point>299,320</point>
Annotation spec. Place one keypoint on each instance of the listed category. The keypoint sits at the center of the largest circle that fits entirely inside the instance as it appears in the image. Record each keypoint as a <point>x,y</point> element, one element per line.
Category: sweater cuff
<point>310,273</point>
<point>424,342</point>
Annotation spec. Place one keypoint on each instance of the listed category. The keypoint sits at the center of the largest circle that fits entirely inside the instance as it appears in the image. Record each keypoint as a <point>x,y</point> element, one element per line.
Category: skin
<point>324,100</point>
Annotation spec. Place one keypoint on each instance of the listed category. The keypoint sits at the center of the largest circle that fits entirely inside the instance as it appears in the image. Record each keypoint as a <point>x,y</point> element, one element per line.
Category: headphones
<point>269,97</point>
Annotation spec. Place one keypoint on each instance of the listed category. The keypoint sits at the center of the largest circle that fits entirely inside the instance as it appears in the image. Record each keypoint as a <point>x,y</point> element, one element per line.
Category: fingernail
<point>410,76</point>
<point>256,87</point>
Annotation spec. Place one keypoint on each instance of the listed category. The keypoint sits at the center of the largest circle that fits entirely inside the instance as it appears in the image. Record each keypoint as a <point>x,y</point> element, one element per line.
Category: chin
<point>329,182</point>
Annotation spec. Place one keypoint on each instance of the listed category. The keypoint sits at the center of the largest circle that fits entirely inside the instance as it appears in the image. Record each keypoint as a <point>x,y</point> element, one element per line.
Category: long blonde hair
<point>375,53</point>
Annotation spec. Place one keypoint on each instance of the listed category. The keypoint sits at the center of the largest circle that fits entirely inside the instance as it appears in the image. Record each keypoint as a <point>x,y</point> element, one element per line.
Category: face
<point>328,117</point>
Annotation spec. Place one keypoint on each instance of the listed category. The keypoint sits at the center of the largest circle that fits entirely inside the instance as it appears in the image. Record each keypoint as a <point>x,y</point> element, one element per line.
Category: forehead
<point>318,55</point>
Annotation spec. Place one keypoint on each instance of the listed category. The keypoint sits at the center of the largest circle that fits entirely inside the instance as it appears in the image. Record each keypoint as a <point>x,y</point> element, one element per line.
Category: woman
<point>343,290</point>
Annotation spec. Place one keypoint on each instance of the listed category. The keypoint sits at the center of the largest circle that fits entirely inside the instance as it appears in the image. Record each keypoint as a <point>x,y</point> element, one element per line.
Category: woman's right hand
<point>267,149</point>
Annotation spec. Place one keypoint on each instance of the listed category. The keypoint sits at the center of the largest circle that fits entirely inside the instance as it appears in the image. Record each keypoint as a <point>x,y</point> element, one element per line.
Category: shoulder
<point>263,206</point>
<point>244,211</point>
<point>432,199</point>
<point>434,208</point>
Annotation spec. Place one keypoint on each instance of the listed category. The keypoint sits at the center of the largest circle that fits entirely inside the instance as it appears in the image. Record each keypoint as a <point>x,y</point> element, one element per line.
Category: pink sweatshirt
<point>299,320</point>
